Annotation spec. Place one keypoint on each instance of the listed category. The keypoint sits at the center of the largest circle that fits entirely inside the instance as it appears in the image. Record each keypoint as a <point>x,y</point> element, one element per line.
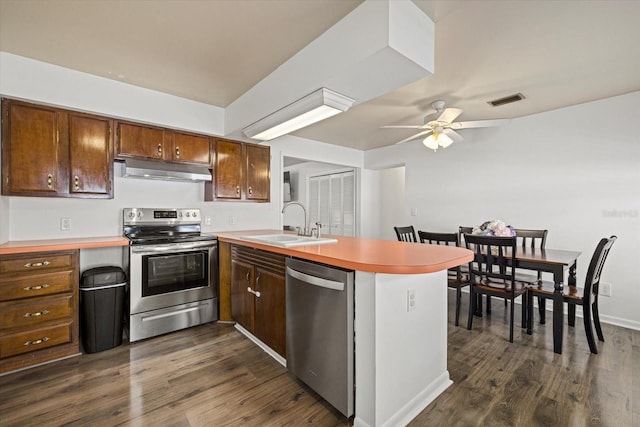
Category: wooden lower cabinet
<point>38,308</point>
<point>258,295</point>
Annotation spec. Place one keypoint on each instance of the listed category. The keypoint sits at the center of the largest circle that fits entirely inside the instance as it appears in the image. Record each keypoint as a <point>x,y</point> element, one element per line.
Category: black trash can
<point>102,298</point>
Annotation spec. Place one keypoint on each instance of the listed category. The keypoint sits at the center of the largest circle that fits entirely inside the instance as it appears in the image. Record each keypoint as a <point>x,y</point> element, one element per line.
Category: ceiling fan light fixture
<point>436,140</point>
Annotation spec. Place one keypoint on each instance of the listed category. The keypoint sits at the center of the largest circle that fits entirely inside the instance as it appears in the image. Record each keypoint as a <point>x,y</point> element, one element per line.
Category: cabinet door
<point>32,156</point>
<point>90,155</point>
<point>228,170</point>
<point>191,149</point>
<point>258,162</point>
<point>269,322</point>
<point>242,302</point>
<point>140,141</point>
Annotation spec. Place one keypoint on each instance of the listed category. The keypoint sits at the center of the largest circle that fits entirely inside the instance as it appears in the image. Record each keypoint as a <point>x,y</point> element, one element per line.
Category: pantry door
<point>332,202</point>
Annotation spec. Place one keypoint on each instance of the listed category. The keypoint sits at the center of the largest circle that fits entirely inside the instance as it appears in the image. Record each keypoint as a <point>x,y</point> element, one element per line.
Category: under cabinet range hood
<point>134,168</point>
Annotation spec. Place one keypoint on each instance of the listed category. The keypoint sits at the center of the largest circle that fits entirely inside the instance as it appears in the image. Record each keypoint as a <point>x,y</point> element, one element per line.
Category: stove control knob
<point>140,214</point>
<point>132,214</point>
<point>188,214</point>
<point>195,214</point>
<point>179,214</point>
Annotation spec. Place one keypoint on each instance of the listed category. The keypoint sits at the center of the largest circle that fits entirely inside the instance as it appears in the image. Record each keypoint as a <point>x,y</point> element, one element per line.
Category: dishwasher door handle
<point>317,281</point>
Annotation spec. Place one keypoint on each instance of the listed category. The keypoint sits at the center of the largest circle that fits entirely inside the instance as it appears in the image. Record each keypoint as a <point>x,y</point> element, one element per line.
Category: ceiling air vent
<point>507,100</point>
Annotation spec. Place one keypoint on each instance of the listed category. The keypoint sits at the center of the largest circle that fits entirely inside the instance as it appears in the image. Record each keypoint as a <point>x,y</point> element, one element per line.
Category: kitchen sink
<point>289,240</point>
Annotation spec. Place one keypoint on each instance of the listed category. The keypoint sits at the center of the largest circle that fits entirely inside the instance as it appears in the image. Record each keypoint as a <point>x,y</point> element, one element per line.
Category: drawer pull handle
<point>36,288</point>
<point>76,182</point>
<point>36,313</point>
<point>37,264</point>
<point>49,180</point>
<point>251,291</point>
<point>159,150</point>
<point>35,342</point>
<point>177,152</point>
<point>237,189</point>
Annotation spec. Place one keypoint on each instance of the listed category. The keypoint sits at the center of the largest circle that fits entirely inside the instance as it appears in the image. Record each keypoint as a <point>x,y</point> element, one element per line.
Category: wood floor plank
<point>212,375</point>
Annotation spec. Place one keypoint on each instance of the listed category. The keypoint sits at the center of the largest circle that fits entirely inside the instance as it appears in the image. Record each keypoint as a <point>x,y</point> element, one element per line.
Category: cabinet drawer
<point>35,285</point>
<point>35,312</point>
<point>35,263</point>
<point>35,339</point>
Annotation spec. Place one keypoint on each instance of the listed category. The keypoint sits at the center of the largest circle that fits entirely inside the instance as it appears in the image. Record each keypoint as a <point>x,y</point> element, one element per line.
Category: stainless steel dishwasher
<point>320,340</point>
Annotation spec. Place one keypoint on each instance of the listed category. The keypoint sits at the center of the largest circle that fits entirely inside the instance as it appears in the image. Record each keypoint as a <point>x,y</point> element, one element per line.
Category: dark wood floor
<point>213,376</point>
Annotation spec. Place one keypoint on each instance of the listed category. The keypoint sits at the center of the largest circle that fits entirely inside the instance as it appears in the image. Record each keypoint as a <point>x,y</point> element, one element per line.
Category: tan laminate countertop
<point>372,255</point>
<point>25,246</point>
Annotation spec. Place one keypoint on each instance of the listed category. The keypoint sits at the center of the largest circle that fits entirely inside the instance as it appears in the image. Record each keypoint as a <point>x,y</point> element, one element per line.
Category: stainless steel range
<point>173,271</point>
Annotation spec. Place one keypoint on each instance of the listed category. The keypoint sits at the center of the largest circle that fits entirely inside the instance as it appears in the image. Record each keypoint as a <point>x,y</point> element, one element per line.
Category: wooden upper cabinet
<point>90,155</point>
<point>154,143</point>
<point>31,149</point>
<point>241,172</point>
<point>189,148</point>
<point>52,152</point>
<point>258,162</point>
<point>141,141</point>
<point>228,170</point>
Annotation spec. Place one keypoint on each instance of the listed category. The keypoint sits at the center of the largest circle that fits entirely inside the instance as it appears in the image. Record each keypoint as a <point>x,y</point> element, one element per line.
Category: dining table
<point>554,261</point>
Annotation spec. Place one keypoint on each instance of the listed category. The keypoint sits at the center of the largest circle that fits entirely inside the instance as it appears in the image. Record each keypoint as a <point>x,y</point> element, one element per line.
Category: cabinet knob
<point>177,152</point>
<point>250,191</point>
<point>49,180</point>
<point>160,150</point>
<point>237,189</point>
<point>76,182</point>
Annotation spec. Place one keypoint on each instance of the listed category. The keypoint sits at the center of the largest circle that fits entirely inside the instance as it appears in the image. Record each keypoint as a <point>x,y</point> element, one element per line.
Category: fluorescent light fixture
<point>317,106</point>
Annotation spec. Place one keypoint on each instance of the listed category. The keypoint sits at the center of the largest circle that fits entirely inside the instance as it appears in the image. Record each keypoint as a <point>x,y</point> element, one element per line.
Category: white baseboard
<point>262,345</point>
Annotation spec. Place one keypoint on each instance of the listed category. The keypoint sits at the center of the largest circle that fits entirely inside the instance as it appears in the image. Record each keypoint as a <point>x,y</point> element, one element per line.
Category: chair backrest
<point>406,234</point>
<point>592,280</point>
<point>494,258</point>
<point>461,232</point>
<point>432,238</point>
<point>531,238</point>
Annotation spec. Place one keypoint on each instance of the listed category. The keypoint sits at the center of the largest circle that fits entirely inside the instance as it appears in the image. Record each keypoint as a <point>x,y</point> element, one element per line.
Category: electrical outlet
<point>605,289</point>
<point>411,300</point>
<point>232,220</point>
<point>65,224</point>
<point>414,211</point>
<point>207,220</point>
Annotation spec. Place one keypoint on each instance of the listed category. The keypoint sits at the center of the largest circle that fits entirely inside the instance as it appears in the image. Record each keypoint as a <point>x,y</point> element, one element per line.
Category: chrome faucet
<point>304,230</point>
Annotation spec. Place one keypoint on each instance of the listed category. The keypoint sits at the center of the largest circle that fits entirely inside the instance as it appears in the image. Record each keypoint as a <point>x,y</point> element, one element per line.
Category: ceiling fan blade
<point>479,124</point>
<point>449,115</point>
<point>403,127</point>
<point>453,135</point>
<point>417,135</point>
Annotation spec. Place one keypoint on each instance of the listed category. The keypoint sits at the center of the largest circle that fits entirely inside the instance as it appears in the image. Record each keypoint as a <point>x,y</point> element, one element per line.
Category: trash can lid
<point>101,276</point>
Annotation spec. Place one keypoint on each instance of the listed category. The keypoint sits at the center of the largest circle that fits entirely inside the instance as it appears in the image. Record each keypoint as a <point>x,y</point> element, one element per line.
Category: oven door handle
<point>154,249</point>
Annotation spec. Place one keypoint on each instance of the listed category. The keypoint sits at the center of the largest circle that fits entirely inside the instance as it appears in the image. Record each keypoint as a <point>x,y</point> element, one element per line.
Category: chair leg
<point>524,310</point>
<point>458,300</point>
<point>488,305</point>
<point>511,321</point>
<point>542,309</point>
<point>472,307</point>
<point>596,320</point>
<point>477,310</point>
<point>571,313</point>
<point>588,329</point>
<point>529,313</point>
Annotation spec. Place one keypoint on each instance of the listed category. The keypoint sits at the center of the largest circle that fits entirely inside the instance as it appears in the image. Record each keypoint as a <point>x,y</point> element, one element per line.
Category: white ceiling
<point>557,53</point>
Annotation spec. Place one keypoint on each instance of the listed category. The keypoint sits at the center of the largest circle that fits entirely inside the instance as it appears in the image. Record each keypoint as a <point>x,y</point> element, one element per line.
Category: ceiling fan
<point>441,131</point>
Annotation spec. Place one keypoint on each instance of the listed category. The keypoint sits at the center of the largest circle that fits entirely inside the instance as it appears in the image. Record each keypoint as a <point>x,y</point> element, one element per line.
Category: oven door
<point>171,274</point>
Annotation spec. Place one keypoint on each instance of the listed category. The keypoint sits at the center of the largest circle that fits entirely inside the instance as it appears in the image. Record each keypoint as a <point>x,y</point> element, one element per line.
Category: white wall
<point>574,171</point>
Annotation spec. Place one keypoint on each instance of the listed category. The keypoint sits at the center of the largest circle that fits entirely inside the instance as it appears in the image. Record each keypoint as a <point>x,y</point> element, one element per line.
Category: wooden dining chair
<point>587,297</point>
<point>532,239</point>
<point>406,234</point>
<point>455,277</point>
<point>492,273</point>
